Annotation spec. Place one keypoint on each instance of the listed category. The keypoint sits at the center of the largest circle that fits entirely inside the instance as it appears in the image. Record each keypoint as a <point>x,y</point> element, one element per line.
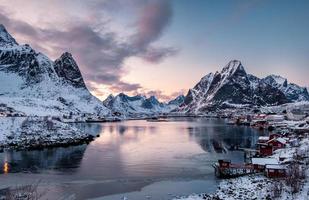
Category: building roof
<point>275,167</point>
<point>281,140</point>
<point>264,161</point>
<point>264,138</point>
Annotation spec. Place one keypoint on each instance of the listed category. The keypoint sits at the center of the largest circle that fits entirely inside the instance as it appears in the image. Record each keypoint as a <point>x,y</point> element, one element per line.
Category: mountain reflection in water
<point>221,139</point>
<point>132,154</point>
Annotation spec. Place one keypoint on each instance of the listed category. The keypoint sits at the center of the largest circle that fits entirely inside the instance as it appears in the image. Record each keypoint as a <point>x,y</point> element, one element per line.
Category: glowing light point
<point>6,167</point>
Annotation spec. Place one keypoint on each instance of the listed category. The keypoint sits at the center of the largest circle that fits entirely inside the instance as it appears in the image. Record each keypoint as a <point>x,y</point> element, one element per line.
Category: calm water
<point>136,159</point>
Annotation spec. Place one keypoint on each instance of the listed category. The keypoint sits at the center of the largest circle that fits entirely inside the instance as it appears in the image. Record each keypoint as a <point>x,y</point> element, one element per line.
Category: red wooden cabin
<point>275,171</point>
<point>277,143</point>
<point>265,149</point>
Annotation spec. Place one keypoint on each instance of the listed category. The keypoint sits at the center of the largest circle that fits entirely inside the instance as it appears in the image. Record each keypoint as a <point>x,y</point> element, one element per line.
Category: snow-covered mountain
<point>178,101</point>
<point>292,91</point>
<point>35,85</point>
<point>233,87</point>
<point>139,105</point>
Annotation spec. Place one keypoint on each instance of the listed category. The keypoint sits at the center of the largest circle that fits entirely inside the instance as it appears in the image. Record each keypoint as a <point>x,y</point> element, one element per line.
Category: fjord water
<point>136,159</point>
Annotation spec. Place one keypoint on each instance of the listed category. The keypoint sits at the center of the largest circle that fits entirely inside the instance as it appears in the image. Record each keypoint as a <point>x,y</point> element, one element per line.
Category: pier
<point>226,169</point>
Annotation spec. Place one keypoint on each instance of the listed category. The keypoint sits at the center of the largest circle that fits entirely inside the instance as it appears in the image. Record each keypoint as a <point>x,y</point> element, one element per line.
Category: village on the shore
<point>278,166</point>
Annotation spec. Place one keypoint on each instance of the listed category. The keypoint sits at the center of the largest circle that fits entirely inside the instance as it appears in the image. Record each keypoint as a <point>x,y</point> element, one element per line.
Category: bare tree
<point>295,177</point>
<point>277,188</point>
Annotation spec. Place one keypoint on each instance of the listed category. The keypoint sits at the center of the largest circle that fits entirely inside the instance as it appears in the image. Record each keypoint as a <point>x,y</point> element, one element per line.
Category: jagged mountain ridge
<point>177,101</point>
<point>292,91</point>
<point>42,86</point>
<point>36,85</point>
<point>140,105</point>
<point>233,87</point>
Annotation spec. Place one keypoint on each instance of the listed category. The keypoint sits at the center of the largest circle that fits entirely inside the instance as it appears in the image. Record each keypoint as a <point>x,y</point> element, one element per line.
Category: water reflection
<point>137,148</point>
<point>33,161</point>
<point>131,152</point>
<point>221,139</point>
<point>6,167</point>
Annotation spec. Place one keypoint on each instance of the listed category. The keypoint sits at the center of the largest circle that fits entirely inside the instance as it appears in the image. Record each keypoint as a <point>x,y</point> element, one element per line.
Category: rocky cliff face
<point>67,69</point>
<point>5,38</point>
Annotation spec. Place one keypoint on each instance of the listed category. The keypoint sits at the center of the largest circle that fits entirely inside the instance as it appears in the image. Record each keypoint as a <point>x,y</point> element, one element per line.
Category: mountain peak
<point>5,37</point>
<point>153,100</point>
<point>67,68</point>
<point>232,67</point>
<point>66,55</point>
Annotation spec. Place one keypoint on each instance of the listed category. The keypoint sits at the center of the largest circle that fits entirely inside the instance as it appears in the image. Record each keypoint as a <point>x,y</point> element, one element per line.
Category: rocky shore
<point>38,132</point>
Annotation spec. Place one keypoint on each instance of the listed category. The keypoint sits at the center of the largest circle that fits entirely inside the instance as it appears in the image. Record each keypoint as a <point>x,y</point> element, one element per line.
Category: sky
<point>164,47</point>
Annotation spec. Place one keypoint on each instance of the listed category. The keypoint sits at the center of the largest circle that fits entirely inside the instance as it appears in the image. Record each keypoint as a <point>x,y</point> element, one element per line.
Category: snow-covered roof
<point>275,116</point>
<point>264,161</point>
<point>264,138</point>
<point>275,167</point>
<point>281,140</point>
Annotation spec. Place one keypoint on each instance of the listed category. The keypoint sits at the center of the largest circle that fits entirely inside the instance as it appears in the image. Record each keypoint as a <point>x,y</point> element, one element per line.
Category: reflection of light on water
<point>6,168</point>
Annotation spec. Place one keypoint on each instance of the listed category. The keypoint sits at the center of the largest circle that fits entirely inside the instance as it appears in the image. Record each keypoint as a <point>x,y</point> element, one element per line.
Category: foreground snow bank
<point>247,187</point>
<point>38,132</point>
<point>250,187</point>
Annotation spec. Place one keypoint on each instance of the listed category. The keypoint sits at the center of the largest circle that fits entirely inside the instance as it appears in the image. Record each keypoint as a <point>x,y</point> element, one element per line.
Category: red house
<point>259,164</point>
<point>277,143</point>
<point>275,171</point>
<point>265,149</point>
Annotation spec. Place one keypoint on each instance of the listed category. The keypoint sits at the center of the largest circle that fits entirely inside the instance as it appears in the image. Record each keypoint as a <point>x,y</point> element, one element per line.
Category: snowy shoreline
<point>31,133</point>
<point>257,186</point>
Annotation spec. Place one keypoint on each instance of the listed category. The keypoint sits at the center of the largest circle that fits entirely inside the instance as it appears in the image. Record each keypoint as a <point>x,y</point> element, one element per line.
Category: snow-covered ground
<point>38,132</point>
<point>303,105</point>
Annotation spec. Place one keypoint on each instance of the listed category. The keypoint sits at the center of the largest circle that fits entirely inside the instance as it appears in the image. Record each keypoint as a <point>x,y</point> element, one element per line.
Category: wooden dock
<point>225,169</point>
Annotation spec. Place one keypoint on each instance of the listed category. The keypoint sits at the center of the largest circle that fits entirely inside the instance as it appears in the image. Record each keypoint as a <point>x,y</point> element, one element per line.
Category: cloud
<point>122,86</point>
<point>156,55</point>
<point>99,52</point>
<point>153,19</point>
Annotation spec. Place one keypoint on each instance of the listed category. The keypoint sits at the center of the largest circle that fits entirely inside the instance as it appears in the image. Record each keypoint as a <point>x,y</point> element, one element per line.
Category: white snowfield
<point>37,132</point>
<point>48,98</point>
